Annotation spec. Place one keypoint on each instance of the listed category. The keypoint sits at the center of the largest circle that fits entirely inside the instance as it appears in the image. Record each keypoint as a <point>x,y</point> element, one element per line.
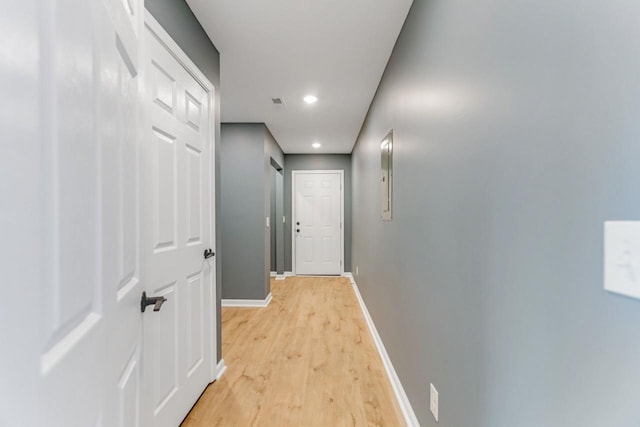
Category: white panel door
<point>71,324</point>
<point>119,120</point>
<point>317,222</point>
<point>177,194</point>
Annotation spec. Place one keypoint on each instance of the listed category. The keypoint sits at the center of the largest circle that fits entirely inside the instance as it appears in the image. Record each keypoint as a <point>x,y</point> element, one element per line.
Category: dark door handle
<point>156,302</point>
<point>208,253</point>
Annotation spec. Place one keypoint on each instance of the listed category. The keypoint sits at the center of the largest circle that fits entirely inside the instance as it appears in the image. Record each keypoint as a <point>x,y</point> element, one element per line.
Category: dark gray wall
<point>317,162</point>
<point>516,135</point>
<point>272,231</point>
<point>279,226</point>
<point>178,20</point>
<point>273,156</point>
<point>243,226</point>
<point>247,153</point>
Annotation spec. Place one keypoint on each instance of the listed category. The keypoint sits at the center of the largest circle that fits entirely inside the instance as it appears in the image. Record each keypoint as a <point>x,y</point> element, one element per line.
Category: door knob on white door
<point>156,302</point>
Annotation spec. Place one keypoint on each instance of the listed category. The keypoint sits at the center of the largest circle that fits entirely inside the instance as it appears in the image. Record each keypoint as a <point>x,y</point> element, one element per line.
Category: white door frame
<point>154,26</point>
<point>295,173</point>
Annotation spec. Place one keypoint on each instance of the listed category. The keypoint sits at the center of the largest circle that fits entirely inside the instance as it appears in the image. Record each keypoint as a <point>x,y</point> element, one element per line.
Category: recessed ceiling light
<point>316,145</point>
<point>310,99</point>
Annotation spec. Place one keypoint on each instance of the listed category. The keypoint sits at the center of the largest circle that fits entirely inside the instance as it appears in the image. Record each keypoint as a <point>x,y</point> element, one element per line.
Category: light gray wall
<point>516,135</point>
<point>317,162</point>
<point>178,20</point>
<point>247,150</point>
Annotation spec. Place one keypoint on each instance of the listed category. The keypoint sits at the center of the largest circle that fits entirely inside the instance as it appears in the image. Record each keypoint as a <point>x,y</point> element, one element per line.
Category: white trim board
<point>327,276</point>
<point>403,401</point>
<point>221,369</point>
<point>246,302</point>
<point>284,275</point>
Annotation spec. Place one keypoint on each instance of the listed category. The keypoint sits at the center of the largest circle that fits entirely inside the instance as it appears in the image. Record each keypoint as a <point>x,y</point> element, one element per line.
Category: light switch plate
<point>433,401</point>
<point>268,222</point>
<point>622,257</point>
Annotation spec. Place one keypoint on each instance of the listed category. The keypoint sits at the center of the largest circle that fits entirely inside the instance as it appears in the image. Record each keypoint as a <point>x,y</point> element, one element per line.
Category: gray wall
<point>317,162</point>
<point>247,150</point>
<point>243,223</point>
<point>277,212</point>
<point>516,135</point>
<point>277,221</point>
<point>273,156</point>
<point>178,20</point>
<point>272,208</point>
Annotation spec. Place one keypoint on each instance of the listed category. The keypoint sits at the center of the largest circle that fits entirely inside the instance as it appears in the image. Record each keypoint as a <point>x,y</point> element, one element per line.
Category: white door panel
<point>177,180</point>
<point>76,171</point>
<point>318,222</point>
<point>120,124</point>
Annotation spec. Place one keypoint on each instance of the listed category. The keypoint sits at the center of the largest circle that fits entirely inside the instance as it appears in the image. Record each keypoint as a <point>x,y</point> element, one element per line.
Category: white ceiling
<point>334,49</point>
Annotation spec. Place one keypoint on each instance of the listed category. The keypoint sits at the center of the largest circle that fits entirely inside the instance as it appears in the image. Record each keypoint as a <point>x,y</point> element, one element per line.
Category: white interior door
<point>177,194</point>
<point>317,222</point>
<point>70,311</point>
<point>120,111</point>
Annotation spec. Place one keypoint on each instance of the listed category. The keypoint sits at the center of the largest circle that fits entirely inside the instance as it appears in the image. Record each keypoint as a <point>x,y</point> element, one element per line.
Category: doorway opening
<point>277,219</point>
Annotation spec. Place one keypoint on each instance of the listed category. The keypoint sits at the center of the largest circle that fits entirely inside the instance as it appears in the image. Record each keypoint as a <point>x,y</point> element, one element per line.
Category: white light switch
<point>622,257</point>
<point>433,401</point>
<point>268,222</point>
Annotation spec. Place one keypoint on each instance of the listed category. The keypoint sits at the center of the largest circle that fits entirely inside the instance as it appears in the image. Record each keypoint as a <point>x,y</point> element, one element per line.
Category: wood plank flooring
<point>306,360</point>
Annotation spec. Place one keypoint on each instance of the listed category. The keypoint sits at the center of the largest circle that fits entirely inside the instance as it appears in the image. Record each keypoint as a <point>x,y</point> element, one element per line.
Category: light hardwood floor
<point>306,360</point>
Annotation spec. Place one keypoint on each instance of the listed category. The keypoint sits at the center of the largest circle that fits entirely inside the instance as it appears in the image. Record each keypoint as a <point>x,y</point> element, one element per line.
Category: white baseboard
<point>222,367</point>
<point>273,274</point>
<point>288,274</point>
<point>246,302</point>
<point>267,300</point>
<point>407,411</point>
<point>349,276</point>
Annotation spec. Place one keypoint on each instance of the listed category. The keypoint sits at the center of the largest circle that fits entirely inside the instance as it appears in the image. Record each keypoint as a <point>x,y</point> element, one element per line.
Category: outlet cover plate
<point>433,401</point>
<point>622,257</point>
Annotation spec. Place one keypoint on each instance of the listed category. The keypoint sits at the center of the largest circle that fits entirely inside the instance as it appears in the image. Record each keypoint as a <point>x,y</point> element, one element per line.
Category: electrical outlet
<point>433,401</point>
<point>356,270</point>
<point>622,257</point>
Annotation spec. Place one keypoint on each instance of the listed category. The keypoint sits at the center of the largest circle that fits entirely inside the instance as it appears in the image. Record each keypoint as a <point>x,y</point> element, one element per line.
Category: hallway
<point>307,359</point>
